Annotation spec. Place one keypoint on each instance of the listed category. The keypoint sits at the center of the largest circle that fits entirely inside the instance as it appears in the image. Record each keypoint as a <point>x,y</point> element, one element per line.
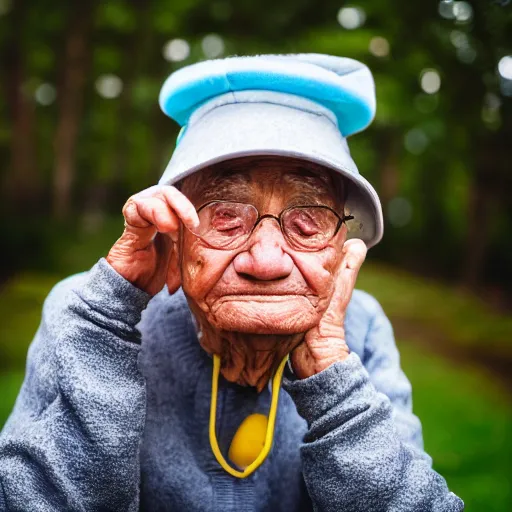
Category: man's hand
<point>325,344</point>
<point>145,254</point>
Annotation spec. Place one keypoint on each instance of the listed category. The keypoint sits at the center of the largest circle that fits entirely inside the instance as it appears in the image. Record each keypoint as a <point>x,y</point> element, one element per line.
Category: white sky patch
<point>45,94</point>
<point>505,67</point>
<point>430,81</point>
<point>109,86</point>
<point>462,11</point>
<point>351,18</point>
<point>212,45</point>
<point>445,9</point>
<point>379,46</point>
<point>176,50</point>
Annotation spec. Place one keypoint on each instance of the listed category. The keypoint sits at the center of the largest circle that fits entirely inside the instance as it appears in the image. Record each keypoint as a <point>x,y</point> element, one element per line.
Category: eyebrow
<point>311,183</point>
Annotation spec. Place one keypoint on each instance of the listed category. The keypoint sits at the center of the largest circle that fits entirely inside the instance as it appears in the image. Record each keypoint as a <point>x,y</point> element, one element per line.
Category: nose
<point>265,259</point>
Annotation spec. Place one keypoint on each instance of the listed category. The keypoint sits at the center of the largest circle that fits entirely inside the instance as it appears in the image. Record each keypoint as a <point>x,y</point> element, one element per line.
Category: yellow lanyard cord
<point>276,387</point>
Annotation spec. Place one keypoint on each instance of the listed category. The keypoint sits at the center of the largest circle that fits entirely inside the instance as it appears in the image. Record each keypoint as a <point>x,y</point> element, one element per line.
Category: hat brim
<point>242,129</point>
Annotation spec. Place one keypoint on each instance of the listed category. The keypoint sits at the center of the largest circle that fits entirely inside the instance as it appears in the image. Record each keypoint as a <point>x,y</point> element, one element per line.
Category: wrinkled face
<point>265,286</point>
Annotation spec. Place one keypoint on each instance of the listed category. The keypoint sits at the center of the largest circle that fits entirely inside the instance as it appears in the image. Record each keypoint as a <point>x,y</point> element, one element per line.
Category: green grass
<point>72,248</point>
<point>20,314</point>
<point>462,319</point>
<point>467,426</point>
<point>10,383</point>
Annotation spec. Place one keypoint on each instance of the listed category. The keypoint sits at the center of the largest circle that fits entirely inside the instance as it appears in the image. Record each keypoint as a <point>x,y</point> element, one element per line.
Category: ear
<point>173,270</point>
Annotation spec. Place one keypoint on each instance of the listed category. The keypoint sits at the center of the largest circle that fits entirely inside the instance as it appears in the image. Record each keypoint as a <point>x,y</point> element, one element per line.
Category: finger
<point>156,211</point>
<point>182,206</point>
<point>148,192</point>
<point>144,217</point>
<point>138,232</point>
<point>354,253</point>
<point>176,200</point>
<point>132,216</point>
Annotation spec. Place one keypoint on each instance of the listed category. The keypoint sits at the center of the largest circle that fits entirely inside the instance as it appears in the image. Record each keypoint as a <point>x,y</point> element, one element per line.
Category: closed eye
<point>304,229</point>
<point>303,224</point>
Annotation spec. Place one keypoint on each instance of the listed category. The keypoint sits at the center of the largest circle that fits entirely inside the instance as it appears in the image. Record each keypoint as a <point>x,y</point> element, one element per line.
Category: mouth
<point>258,297</point>
<point>265,299</point>
<point>257,313</point>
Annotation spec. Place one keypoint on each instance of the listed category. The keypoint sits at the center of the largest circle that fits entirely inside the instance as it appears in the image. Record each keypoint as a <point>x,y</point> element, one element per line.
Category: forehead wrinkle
<point>250,179</point>
<point>301,181</point>
<point>254,186</point>
<point>300,189</point>
<point>225,185</point>
<point>305,199</point>
<point>310,189</point>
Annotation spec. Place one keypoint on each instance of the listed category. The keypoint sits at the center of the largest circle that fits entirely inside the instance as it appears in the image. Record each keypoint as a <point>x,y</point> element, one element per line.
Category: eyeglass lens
<point>228,225</point>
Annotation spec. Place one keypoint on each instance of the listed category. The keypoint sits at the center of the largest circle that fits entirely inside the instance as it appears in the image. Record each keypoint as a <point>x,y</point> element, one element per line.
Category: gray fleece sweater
<point>113,416</point>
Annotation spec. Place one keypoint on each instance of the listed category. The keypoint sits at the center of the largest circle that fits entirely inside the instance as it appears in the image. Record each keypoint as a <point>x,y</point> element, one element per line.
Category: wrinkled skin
<point>262,301</point>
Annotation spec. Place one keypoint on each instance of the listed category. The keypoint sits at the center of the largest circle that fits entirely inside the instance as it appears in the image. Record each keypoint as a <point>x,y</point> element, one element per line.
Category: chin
<point>264,315</point>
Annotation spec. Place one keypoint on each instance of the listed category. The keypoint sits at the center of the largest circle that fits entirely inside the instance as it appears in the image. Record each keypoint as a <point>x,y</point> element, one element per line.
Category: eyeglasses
<point>228,225</point>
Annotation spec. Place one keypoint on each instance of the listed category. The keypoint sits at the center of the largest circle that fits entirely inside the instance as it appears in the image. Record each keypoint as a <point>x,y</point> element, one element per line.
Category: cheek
<point>201,268</point>
<point>318,270</point>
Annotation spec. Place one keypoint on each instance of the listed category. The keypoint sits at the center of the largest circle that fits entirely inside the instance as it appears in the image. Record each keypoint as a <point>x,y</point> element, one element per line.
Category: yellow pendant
<point>253,439</point>
<point>248,441</point>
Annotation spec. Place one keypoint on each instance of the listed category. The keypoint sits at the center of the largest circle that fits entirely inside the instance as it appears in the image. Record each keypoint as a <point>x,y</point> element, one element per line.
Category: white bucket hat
<point>301,106</point>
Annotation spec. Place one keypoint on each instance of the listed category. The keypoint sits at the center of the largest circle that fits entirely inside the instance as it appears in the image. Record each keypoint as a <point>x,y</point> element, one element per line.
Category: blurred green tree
<point>438,151</point>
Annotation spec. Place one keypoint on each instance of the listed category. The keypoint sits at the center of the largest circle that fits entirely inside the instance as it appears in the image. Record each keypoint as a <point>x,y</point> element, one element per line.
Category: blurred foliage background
<point>81,130</point>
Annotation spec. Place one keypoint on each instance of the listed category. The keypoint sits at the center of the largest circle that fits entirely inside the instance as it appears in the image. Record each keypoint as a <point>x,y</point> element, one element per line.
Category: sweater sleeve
<point>72,440</point>
<point>382,360</point>
<point>353,456</point>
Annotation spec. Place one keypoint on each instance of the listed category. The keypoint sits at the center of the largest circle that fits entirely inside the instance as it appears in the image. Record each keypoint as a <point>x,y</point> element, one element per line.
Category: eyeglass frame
<point>279,221</point>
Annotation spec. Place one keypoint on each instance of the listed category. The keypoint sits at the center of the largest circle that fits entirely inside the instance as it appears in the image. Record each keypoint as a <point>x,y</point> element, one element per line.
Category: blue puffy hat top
<point>344,86</point>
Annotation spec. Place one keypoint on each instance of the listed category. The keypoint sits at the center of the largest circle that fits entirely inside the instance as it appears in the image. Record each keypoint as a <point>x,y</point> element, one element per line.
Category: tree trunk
<point>478,235</point>
<point>22,183</point>
<point>482,203</point>
<point>163,142</point>
<point>77,51</point>
<point>388,165</point>
<point>137,48</point>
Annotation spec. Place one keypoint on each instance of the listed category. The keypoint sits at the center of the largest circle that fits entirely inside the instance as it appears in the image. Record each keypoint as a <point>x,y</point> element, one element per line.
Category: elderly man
<point>152,383</point>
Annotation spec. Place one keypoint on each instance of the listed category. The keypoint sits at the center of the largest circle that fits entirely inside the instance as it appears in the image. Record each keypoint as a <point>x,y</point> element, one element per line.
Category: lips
<point>266,298</point>
<point>261,289</point>
<point>253,297</point>
<point>234,288</point>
